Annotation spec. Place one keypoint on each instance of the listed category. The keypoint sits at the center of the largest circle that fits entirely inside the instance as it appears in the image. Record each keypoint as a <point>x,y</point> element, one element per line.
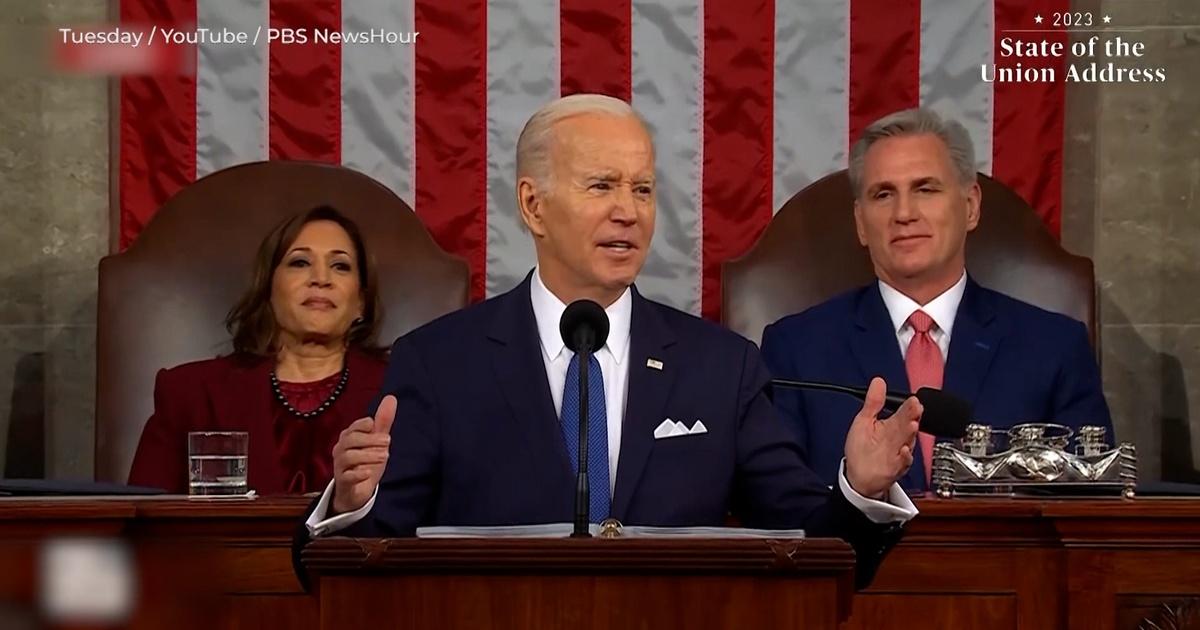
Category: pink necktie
<point>924,365</point>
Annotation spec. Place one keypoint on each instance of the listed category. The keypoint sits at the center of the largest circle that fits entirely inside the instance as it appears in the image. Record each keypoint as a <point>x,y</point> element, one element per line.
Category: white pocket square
<point>670,428</point>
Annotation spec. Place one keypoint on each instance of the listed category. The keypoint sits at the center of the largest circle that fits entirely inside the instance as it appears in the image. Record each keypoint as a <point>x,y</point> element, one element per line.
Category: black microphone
<point>584,328</point>
<point>946,415</point>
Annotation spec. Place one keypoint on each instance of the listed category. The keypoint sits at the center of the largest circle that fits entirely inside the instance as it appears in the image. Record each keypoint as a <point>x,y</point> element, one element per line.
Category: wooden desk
<point>998,563</point>
<point>240,549</point>
<point>964,563</point>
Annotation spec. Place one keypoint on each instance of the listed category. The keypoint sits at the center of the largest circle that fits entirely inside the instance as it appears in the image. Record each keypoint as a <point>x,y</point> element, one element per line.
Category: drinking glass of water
<point>217,462</point>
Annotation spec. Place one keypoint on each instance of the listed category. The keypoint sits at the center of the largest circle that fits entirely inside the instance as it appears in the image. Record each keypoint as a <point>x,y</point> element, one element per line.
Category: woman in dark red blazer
<point>305,364</point>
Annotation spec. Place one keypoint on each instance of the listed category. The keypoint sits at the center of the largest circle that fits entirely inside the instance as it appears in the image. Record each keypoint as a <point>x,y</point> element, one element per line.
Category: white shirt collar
<point>941,309</point>
<point>548,310</point>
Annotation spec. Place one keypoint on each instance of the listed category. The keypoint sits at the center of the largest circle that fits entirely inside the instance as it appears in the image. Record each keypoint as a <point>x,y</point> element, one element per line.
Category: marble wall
<point>1131,186</point>
<point>54,134</point>
<point>1132,203</point>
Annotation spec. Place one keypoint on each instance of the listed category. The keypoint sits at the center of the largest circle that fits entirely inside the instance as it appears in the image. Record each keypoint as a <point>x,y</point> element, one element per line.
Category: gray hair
<point>911,122</point>
<point>533,146</point>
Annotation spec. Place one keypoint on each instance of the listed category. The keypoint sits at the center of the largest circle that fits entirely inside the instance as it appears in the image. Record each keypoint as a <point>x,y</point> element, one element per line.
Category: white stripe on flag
<point>378,132</point>
<point>812,100</point>
<point>522,75</point>
<point>668,91</point>
<point>231,87</point>
<point>956,37</point>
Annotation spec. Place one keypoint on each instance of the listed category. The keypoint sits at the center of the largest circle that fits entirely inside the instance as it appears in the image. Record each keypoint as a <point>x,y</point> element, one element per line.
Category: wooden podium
<point>476,583</point>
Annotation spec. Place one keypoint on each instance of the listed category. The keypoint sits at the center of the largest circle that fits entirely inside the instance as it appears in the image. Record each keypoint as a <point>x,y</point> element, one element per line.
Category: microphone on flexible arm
<point>584,329</point>
<point>946,415</point>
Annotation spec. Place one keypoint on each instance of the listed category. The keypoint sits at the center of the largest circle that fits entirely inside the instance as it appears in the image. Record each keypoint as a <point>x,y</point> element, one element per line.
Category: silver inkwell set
<point>1034,459</point>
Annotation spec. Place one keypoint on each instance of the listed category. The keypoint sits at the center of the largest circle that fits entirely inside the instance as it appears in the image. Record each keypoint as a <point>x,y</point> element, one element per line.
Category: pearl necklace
<point>337,391</point>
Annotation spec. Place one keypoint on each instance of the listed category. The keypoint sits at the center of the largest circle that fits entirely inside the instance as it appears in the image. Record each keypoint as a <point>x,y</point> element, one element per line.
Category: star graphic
<point>1037,18</point>
<point>1107,19</point>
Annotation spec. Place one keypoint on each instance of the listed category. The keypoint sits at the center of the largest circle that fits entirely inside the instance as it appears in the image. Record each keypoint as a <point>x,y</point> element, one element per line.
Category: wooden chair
<point>163,301</point>
<point>810,253</point>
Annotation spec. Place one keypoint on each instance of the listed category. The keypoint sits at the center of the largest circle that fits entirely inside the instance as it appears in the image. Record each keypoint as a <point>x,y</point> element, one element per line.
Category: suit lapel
<point>515,354</point>
<point>874,344</point>
<point>973,343</point>
<point>246,403</point>
<point>359,364</point>
<point>877,351</point>
<point>645,397</point>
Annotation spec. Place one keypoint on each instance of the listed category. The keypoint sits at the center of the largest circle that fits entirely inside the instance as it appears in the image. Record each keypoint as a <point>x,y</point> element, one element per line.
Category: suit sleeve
<point>408,489</point>
<point>1078,395</point>
<point>161,457</point>
<point>776,489</point>
<point>778,353</point>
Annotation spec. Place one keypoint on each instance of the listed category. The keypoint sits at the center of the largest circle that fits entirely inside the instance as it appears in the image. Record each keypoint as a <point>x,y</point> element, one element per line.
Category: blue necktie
<point>597,433</point>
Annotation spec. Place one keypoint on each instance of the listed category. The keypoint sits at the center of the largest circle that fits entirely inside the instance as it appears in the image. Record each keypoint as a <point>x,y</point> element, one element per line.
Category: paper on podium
<point>545,530</point>
<point>634,531</point>
<point>563,530</point>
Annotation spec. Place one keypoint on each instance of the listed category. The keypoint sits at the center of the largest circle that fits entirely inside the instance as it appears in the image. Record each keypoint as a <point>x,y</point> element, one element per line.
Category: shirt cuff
<point>897,509</point>
<point>318,525</point>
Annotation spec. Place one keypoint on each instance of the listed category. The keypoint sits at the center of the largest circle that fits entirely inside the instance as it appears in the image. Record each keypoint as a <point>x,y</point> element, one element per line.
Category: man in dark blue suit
<point>485,420</point>
<point>925,322</point>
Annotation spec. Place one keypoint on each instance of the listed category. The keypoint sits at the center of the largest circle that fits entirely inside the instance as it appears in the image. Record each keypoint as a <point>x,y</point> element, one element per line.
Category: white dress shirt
<point>613,357</point>
<point>941,309</point>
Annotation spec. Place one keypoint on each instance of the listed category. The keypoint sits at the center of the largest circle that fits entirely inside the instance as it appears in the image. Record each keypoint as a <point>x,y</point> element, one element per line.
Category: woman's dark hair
<point>252,320</point>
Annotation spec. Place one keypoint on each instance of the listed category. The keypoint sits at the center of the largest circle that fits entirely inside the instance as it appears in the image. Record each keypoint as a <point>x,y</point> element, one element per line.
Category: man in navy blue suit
<point>925,322</point>
<point>485,419</point>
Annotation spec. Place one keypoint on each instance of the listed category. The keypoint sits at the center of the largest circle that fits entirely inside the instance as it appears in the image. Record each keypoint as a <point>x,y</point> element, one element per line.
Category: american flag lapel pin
<point>654,364</point>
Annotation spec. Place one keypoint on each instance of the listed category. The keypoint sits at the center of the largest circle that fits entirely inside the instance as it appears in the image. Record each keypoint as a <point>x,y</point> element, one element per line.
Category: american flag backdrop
<point>748,100</point>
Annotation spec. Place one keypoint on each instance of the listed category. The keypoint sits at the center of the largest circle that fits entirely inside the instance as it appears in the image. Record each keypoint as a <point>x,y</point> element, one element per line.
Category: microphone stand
<point>945,415</point>
<point>584,327</point>
<point>890,398</point>
<point>583,494</point>
<point>827,387</point>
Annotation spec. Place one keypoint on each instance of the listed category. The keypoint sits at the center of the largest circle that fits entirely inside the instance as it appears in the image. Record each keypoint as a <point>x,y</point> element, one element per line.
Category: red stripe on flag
<point>596,47</point>
<point>885,60</point>
<point>739,74</point>
<point>305,82</point>
<point>451,129</point>
<point>157,123</point>
<point>1027,128</point>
